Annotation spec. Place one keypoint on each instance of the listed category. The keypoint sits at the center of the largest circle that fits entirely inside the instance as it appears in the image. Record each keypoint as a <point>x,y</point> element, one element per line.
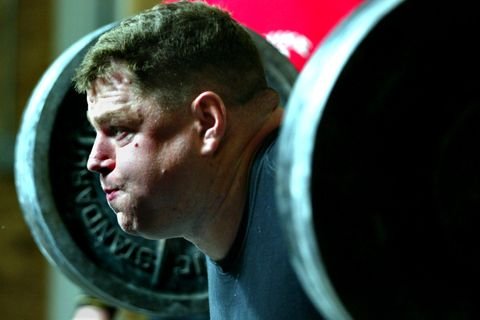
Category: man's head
<point>175,51</point>
<point>178,100</point>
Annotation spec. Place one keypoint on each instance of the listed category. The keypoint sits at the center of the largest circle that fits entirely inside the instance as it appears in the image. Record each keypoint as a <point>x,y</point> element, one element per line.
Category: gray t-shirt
<point>256,280</point>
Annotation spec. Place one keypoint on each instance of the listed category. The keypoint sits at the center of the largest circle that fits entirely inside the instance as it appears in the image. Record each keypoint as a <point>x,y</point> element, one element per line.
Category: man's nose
<point>101,158</point>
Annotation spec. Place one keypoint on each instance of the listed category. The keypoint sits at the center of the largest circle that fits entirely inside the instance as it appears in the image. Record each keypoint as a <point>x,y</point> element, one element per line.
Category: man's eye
<point>118,132</point>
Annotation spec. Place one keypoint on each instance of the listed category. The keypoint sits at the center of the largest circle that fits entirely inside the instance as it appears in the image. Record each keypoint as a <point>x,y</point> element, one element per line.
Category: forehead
<point>115,88</point>
<point>112,99</point>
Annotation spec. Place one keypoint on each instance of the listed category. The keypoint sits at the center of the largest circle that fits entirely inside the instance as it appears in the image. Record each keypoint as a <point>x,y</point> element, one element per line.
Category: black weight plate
<point>66,209</point>
<point>383,197</point>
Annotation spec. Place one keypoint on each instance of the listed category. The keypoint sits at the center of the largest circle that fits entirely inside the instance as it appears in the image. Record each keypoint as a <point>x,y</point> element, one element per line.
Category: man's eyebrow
<point>122,115</point>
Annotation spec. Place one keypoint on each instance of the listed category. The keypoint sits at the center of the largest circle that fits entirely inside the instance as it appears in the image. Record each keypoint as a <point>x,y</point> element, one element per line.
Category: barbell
<point>378,186</point>
<point>379,164</point>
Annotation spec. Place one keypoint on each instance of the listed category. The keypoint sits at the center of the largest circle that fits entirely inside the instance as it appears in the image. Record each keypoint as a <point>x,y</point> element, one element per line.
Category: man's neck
<point>219,227</point>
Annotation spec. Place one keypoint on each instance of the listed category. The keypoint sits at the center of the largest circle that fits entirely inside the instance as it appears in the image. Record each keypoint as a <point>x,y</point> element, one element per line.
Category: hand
<point>89,312</point>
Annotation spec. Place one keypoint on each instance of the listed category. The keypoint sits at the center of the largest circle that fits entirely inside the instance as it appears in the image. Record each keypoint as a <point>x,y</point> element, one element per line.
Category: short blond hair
<point>176,49</point>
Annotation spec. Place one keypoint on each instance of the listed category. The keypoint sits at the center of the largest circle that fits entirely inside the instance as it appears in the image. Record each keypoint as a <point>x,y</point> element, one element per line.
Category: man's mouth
<point>111,193</point>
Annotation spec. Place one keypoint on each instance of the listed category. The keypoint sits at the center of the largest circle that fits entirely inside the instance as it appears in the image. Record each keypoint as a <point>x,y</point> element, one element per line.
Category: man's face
<point>145,158</point>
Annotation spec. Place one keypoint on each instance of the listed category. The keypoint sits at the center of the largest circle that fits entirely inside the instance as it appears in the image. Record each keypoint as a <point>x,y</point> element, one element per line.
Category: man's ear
<point>210,117</point>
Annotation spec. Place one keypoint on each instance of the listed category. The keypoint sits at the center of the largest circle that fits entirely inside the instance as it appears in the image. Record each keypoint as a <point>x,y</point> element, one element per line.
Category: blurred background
<point>32,35</point>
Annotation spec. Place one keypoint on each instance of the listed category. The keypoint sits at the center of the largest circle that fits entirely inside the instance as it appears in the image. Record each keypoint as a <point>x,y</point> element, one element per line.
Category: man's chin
<point>126,224</point>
